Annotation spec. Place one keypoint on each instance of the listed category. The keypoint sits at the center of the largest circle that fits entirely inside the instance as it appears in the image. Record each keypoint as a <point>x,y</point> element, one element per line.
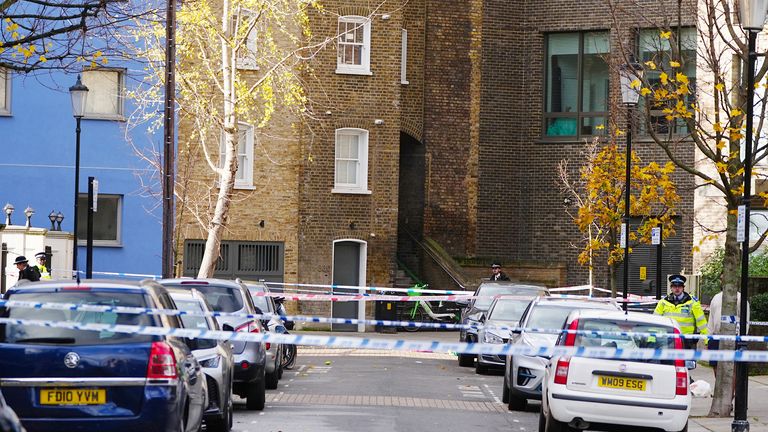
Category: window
<point>107,220</point>
<point>577,84</point>
<point>656,49</point>
<point>351,161</point>
<point>105,94</point>
<point>5,92</point>
<point>354,46</point>
<point>248,52</point>
<point>404,58</point>
<point>244,175</point>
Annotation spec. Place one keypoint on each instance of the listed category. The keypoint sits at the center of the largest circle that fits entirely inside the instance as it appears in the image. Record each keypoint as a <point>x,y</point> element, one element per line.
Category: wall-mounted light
<point>261,223</point>
<point>378,122</point>
<point>59,220</point>
<point>52,218</point>
<point>28,212</point>
<point>8,209</point>
<point>385,17</point>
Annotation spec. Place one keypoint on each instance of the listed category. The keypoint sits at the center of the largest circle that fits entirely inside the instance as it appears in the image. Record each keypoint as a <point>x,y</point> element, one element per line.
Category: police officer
<point>25,271</point>
<point>42,267</point>
<point>686,310</point>
<point>497,274</point>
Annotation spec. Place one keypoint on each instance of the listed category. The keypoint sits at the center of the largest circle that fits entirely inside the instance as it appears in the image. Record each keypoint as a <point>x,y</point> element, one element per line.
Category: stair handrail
<point>437,260</point>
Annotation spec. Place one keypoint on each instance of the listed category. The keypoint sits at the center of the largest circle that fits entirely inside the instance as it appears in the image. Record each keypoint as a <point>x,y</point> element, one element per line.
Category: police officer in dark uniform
<point>25,271</point>
<point>497,274</point>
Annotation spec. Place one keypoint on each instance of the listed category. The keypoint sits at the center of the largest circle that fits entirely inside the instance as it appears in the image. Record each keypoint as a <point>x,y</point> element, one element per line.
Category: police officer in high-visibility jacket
<point>686,310</point>
<point>42,265</point>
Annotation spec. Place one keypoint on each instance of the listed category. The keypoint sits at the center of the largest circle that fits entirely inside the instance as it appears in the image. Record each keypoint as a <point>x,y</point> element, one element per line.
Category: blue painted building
<point>37,137</point>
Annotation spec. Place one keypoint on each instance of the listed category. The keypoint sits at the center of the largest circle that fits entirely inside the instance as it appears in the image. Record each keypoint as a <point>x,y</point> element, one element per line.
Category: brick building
<point>446,121</point>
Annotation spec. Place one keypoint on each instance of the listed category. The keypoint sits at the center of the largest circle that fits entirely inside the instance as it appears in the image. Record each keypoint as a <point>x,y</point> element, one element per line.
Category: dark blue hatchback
<point>79,380</point>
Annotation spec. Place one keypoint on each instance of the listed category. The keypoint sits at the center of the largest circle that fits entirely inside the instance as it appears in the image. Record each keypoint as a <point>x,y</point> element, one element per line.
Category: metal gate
<point>250,261</point>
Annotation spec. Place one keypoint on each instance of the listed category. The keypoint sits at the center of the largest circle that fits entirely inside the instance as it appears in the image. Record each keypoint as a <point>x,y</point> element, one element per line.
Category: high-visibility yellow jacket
<point>44,273</point>
<point>687,312</point>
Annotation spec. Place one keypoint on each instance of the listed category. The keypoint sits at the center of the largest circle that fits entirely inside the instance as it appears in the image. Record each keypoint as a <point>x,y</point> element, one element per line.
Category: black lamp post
<point>629,76</point>
<point>752,16</point>
<point>8,208</point>
<point>52,218</point>
<point>59,220</point>
<point>79,95</point>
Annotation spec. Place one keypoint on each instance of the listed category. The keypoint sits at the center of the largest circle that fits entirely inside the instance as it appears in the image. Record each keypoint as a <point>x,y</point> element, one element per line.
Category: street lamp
<point>52,218</point>
<point>28,212</point>
<point>8,209</point>
<point>630,75</point>
<point>79,95</point>
<point>752,16</point>
<point>59,220</point>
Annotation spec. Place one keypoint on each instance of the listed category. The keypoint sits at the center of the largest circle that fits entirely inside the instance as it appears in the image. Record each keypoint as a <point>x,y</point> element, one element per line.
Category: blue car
<point>59,379</point>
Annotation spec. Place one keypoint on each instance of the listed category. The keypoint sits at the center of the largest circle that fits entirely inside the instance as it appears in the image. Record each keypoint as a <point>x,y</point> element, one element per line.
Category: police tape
<point>403,344</point>
<point>385,323</point>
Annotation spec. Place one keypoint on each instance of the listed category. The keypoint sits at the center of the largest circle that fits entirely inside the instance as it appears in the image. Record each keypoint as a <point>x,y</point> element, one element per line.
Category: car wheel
<point>271,379</point>
<point>480,369</point>
<point>466,360</point>
<point>256,395</point>
<point>280,370</point>
<point>685,429</point>
<point>222,423</point>
<point>542,421</point>
<point>516,403</point>
<point>553,425</point>
<point>505,391</point>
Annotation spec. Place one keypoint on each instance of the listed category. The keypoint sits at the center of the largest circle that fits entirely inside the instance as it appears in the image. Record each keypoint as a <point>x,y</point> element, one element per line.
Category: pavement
<point>757,403</point>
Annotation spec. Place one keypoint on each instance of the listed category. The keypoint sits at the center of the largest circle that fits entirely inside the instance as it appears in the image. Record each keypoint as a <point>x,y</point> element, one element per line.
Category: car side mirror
<point>690,364</point>
<point>482,318</point>
<point>516,331</point>
<point>227,327</point>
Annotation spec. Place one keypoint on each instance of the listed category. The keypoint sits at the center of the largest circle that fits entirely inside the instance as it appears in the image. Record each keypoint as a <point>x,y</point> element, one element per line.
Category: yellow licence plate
<point>73,396</point>
<point>621,383</point>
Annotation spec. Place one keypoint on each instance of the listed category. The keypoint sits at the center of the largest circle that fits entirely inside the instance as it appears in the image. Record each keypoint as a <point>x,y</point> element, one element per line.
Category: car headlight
<point>211,362</point>
<point>489,337</point>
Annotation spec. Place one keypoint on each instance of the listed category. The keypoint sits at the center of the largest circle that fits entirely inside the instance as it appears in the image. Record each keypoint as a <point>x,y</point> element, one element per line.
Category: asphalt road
<point>382,391</point>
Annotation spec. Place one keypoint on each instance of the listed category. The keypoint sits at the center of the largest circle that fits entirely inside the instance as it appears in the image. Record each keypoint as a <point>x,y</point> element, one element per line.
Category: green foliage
<point>758,305</point>
<point>712,270</point>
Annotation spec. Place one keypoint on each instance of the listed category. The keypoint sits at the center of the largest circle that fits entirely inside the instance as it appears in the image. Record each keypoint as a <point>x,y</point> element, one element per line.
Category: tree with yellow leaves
<point>693,94</point>
<point>45,35</point>
<point>599,195</point>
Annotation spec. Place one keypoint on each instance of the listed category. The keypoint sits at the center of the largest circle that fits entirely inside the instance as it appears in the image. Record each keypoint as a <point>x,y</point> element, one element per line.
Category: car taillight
<point>267,345</point>
<point>681,372</point>
<point>570,338</point>
<point>162,362</point>
<point>561,371</point>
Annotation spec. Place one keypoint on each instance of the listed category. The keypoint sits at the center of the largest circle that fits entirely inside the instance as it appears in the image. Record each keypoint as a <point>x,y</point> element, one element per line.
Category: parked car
<point>9,421</point>
<point>88,380</point>
<point>523,374</point>
<point>250,357</point>
<point>265,304</point>
<point>596,393</point>
<point>473,309</point>
<point>504,312</point>
<point>215,357</point>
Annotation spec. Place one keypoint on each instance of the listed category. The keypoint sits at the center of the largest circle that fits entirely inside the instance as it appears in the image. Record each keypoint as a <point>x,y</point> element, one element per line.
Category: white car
<point>523,374</point>
<point>592,393</point>
<point>504,312</point>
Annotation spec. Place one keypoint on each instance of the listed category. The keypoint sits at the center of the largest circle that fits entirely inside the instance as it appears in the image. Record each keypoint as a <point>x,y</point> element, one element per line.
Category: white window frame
<point>5,81</point>
<point>404,58</point>
<point>247,166</point>
<point>118,242</point>
<point>361,185</point>
<point>365,58</point>
<point>120,115</point>
<point>251,46</point>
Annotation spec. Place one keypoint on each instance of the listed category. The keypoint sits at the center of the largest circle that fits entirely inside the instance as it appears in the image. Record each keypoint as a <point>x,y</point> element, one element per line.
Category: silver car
<point>215,357</point>
<point>266,304</point>
<point>523,374</point>
<point>250,357</point>
<point>504,312</point>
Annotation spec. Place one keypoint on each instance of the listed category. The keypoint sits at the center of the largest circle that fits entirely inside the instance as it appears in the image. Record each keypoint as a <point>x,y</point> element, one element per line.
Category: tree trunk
<point>722,395</point>
<point>229,168</point>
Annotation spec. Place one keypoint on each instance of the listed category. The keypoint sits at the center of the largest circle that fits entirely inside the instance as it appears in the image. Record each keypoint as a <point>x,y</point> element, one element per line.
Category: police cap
<point>677,279</point>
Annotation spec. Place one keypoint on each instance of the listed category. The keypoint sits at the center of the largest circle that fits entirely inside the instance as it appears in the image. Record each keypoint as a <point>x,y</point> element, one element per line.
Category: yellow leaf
<point>43,59</point>
<point>651,65</point>
<point>720,144</point>
<point>645,91</point>
<point>665,35</point>
<point>674,64</point>
<point>696,249</point>
<point>600,127</point>
<point>733,212</point>
<point>635,84</point>
<point>681,78</point>
<point>664,78</point>
<point>736,112</point>
<point>717,128</point>
<point>719,86</point>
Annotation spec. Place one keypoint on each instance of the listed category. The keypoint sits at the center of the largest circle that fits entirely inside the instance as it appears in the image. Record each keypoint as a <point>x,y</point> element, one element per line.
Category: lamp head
<point>752,14</point>
<point>630,77</point>
<point>79,95</point>
<point>29,211</point>
<point>52,216</point>
<point>8,209</point>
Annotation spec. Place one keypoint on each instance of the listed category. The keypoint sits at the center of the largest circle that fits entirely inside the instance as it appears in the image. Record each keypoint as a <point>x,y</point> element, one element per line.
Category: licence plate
<point>73,396</point>
<point>621,383</point>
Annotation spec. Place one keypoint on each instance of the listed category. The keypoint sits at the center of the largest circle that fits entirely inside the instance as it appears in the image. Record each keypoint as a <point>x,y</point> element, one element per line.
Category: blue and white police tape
<point>386,323</point>
<point>405,345</point>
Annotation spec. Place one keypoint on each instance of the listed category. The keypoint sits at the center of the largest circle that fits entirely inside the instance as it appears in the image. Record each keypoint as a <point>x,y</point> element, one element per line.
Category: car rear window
<point>221,298</point>
<point>627,342</point>
<point>489,291</point>
<point>28,334</point>
<point>262,303</point>
<point>509,309</point>
<point>197,322</point>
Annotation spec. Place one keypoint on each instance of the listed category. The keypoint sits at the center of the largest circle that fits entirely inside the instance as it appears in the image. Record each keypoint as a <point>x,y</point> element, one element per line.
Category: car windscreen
<point>508,309</point>
<point>261,302</point>
<point>663,337</point>
<point>488,292</point>
<point>12,333</point>
<point>221,298</point>
<point>548,317</point>
<point>197,322</point>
